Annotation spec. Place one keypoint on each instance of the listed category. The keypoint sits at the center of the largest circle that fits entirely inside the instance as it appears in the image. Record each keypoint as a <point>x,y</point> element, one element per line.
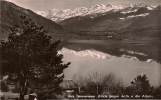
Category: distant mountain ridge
<point>139,20</point>
<point>10,16</point>
<point>115,20</point>
<point>142,19</point>
<point>58,15</point>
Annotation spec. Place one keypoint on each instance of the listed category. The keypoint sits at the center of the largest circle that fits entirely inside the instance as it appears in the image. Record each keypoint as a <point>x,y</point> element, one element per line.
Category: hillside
<point>96,22</point>
<point>10,16</point>
<point>58,15</point>
<point>115,20</point>
<point>139,23</point>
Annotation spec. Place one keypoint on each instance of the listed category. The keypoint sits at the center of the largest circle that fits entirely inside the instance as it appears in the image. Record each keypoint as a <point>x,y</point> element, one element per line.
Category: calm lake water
<point>125,59</point>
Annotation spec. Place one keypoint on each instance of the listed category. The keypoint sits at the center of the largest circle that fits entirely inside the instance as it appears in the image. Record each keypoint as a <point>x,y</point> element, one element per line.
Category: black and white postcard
<point>80,49</point>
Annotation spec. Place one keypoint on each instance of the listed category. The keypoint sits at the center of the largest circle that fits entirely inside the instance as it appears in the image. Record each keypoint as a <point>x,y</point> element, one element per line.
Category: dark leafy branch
<point>28,57</point>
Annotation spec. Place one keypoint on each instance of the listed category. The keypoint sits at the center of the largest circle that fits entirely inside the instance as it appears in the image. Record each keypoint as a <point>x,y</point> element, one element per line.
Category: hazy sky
<point>46,5</point>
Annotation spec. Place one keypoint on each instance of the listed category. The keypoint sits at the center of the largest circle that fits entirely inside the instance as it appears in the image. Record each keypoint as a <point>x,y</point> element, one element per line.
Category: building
<point>68,88</point>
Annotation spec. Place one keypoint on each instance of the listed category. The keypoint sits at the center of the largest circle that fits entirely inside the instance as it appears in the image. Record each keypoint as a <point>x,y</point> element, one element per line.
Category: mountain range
<point>58,15</point>
<point>139,20</point>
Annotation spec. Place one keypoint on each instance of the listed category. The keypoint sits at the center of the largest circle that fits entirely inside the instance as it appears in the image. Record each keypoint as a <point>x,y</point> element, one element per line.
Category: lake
<point>125,59</point>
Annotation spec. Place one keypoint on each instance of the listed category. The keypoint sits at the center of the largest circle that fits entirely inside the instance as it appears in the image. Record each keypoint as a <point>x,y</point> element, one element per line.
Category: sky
<point>45,5</point>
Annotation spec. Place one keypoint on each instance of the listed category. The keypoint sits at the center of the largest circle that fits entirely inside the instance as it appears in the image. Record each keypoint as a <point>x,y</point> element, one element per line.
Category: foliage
<point>112,84</point>
<point>141,85</point>
<point>96,83</point>
<point>94,88</point>
<point>29,57</point>
<point>157,92</point>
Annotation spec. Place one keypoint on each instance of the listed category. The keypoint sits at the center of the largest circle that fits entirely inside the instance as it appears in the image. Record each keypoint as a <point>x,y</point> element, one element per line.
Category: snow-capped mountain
<point>136,7</point>
<point>42,13</point>
<point>58,15</point>
<point>130,17</point>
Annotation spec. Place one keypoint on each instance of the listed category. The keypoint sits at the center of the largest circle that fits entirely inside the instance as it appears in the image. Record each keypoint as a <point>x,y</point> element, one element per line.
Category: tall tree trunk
<point>22,86</point>
<point>21,92</point>
<point>21,96</point>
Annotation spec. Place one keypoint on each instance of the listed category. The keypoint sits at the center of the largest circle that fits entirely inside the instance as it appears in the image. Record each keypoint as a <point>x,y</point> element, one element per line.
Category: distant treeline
<point>97,84</point>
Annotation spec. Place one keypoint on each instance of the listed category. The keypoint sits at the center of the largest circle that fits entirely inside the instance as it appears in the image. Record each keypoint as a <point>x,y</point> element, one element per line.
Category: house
<point>68,87</point>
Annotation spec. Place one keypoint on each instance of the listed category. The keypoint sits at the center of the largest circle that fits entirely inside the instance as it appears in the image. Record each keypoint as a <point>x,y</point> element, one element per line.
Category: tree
<point>94,88</point>
<point>28,56</point>
<point>97,83</point>
<point>157,93</point>
<point>95,77</point>
<point>112,84</point>
<point>141,85</point>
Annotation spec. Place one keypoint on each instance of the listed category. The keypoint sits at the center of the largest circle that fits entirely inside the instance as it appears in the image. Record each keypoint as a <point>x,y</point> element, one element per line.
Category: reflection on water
<point>83,53</point>
<point>126,61</point>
